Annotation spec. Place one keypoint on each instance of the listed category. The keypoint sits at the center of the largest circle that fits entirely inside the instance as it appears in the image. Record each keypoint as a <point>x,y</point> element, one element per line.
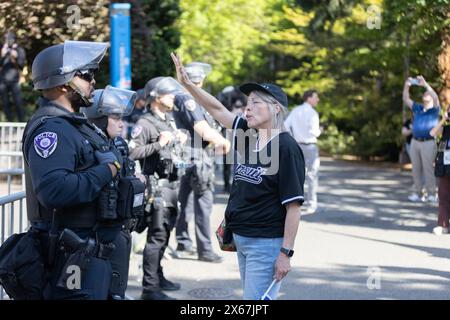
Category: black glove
<point>105,157</point>
<point>122,146</point>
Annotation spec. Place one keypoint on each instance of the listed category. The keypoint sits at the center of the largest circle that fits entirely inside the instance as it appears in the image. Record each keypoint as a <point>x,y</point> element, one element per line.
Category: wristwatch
<point>287,252</point>
<point>116,164</point>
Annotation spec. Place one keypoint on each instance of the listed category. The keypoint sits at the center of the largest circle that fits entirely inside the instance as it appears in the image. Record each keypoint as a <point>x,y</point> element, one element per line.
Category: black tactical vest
<point>157,163</point>
<point>78,216</point>
<point>440,168</point>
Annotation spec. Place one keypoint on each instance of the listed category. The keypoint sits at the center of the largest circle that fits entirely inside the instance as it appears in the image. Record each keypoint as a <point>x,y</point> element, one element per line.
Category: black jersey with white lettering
<point>264,182</point>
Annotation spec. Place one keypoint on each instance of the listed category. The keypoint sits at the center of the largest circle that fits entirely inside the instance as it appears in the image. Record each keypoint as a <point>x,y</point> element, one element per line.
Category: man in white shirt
<point>303,124</point>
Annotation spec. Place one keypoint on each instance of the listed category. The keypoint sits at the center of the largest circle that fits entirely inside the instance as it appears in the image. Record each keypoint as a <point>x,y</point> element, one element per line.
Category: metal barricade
<point>12,173</point>
<point>11,144</point>
<point>13,219</point>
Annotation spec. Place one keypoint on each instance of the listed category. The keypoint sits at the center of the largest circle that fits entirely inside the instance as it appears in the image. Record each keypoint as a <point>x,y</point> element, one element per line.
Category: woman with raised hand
<point>263,210</point>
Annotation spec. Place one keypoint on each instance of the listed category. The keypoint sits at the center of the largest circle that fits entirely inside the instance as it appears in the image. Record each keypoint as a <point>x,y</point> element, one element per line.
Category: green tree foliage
<point>154,36</point>
<point>299,44</point>
<point>360,71</point>
<point>39,24</point>
<point>229,35</point>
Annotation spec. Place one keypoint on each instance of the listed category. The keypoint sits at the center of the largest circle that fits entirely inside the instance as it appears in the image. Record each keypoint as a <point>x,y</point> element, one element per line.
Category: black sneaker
<point>210,257</point>
<point>167,285</point>
<point>155,295</point>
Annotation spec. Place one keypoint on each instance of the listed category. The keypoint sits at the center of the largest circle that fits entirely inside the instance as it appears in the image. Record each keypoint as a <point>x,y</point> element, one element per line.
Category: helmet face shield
<point>168,85</point>
<point>197,71</point>
<point>111,101</point>
<point>82,55</point>
<point>117,101</point>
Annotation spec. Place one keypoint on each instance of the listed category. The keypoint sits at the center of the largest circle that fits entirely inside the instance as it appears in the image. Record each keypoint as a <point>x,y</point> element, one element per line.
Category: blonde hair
<point>277,117</point>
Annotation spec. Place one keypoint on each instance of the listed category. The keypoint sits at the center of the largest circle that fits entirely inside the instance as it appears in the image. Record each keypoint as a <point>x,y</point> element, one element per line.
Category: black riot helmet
<point>160,86</point>
<point>140,94</point>
<point>111,101</point>
<point>58,64</point>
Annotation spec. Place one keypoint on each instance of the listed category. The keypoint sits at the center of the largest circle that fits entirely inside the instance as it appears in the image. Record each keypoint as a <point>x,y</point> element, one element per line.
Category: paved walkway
<point>367,242</point>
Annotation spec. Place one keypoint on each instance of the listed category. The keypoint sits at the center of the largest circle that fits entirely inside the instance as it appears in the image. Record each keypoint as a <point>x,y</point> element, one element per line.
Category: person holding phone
<point>423,145</point>
<point>12,61</point>
<point>263,210</point>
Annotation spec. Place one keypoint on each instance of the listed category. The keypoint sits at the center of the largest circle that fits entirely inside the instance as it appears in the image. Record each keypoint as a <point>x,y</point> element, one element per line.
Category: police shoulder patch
<point>190,105</point>
<point>137,129</point>
<point>45,143</point>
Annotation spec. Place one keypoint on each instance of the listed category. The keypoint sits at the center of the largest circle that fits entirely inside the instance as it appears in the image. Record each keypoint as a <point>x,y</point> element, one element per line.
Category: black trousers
<point>162,222</point>
<point>120,263</point>
<point>14,88</point>
<point>157,241</point>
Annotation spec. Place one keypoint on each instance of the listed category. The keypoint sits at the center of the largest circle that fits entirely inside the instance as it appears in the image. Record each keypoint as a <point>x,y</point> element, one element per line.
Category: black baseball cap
<point>269,88</point>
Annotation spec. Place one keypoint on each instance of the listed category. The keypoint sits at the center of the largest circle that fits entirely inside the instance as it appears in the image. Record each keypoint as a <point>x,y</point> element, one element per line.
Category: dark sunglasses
<point>87,75</point>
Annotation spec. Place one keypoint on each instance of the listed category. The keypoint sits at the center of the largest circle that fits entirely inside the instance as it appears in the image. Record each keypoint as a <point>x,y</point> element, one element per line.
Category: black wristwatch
<point>287,252</point>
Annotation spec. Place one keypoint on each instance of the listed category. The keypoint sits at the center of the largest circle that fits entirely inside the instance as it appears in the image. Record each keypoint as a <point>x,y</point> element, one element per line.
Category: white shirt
<point>303,124</point>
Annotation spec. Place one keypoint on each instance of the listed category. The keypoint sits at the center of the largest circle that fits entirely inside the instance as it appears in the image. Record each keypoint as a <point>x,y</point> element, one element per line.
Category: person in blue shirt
<point>423,145</point>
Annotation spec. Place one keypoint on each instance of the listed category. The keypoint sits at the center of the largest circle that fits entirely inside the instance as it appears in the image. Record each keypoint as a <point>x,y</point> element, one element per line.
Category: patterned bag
<point>225,237</point>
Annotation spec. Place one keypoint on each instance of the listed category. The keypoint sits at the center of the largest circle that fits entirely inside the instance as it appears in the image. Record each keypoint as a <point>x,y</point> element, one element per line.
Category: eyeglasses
<point>87,75</point>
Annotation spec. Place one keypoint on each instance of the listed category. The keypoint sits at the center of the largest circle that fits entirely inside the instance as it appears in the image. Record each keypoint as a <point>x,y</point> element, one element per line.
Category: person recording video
<point>12,60</point>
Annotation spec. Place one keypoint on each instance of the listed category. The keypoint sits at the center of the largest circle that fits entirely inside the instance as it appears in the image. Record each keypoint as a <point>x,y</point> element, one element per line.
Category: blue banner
<point>120,62</point>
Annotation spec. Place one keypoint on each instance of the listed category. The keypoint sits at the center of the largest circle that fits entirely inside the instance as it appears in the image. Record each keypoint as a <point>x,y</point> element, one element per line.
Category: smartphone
<point>414,82</point>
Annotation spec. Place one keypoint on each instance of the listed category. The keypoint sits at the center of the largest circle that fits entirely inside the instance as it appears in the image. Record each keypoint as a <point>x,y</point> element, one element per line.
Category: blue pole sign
<point>120,65</point>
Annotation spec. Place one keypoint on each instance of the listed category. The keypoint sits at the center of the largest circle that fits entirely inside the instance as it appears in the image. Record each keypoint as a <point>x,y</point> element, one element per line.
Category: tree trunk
<point>444,68</point>
<point>406,62</point>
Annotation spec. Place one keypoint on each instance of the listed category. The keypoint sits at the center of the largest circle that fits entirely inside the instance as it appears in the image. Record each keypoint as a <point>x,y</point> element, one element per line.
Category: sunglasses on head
<point>87,75</point>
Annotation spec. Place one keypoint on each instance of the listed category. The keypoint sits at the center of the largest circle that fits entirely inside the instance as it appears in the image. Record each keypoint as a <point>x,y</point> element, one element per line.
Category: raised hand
<point>182,75</point>
<point>422,81</point>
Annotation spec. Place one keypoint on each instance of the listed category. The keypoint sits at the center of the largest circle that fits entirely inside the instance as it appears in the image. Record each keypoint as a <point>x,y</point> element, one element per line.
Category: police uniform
<point>196,186</point>
<point>63,181</point>
<point>119,102</point>
<point>156,162</point>
<point>442,172</point>
<point>69,185</point>
<point>120,258</point>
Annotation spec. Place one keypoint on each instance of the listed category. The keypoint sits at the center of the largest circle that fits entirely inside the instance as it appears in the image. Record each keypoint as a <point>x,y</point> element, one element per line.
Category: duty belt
<point>103,251</point>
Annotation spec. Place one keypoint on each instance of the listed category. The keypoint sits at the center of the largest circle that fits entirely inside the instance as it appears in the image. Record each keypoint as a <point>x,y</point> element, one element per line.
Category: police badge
<point>190,105</point>
<point>137,129</point>
<point>45,144</point>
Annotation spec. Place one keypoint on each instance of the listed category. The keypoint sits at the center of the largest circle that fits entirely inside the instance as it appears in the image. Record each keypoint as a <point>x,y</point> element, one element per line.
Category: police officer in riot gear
<point>12,60</point>
<point>152,138</point>
<point>69,171</point>
<point>196,186</point>
<point>138,110</point>
<point>110,105</point>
